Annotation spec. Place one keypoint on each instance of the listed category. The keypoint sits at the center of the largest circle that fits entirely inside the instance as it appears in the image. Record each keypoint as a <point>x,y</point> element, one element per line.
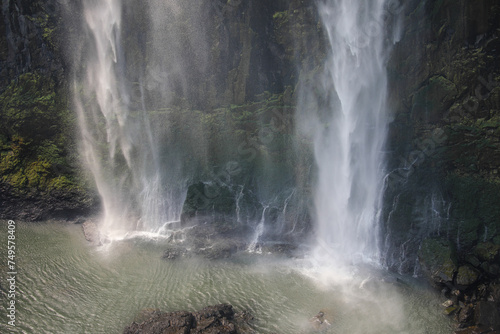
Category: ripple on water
<point>68,286</point>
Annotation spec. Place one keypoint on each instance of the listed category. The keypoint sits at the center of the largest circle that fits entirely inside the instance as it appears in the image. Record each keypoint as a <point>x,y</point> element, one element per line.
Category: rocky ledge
<point>470,281</point>
<point>36,205</point>
<point>218,319</point>
<point>218,240</point>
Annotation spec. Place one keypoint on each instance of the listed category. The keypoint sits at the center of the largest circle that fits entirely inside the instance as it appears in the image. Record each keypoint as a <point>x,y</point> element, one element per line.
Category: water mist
<point>126,146</point>
<point>345,114</point>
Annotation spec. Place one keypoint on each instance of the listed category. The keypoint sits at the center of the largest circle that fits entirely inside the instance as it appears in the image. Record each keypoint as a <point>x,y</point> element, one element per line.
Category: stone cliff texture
<point>443,196</point>
<point>38,163</point>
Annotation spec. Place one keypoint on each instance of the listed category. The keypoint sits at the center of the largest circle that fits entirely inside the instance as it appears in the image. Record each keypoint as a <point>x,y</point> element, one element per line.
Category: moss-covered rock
<point>487,251</point>
<point>438,260</point>
<point>467,276</point>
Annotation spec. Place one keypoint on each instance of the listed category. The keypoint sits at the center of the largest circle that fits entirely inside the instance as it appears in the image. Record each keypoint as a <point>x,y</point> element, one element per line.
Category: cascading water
<point>119,142</point>
<point>347,119</point>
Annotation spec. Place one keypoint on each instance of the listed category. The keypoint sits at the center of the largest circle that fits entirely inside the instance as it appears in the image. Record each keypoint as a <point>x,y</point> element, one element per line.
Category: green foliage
<point>34,135</point>
<point>27,108</point>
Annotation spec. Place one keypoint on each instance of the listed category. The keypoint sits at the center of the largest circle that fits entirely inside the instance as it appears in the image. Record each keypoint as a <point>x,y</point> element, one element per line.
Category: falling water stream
<point>346,115</point>
<point>139,180</point>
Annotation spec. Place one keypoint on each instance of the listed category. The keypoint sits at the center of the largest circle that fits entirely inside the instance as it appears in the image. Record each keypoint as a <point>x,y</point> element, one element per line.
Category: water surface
<point>66,285</point>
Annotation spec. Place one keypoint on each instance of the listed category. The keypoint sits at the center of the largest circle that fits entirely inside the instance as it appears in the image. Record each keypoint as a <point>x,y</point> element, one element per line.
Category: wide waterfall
<point>346,115</point>
<point>128,148</point>
<point>142,149</point>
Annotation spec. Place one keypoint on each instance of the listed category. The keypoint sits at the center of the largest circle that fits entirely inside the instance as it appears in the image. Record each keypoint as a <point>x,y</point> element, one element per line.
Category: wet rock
<point>494,292</point>
<point>466,276</point>
<point>447,303</point>
<point>450,310</point>
<point>146,314</point>
<point>219,250</point>
<point>491,268</point>
<point>208,240</point>
<point>287,249</point>
<point>34,205</point>
<point>438,260</point>
<point>91,233</point>
<point>465,315</point>
<point>477,330</point>
<point>165,323</point>
<point>218,319</point>
<point>174,252</point>
<point>487,314</point>
<point>487,251</point>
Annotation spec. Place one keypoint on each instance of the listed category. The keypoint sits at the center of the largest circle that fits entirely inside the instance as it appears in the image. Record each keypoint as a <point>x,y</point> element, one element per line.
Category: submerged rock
<point>91,233</point>
<point>218,319</point>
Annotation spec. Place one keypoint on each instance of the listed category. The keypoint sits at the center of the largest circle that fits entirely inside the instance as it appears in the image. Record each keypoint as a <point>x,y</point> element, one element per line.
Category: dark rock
<point>438,260</point>
<point>465,315</point>
<point>487,251</point>
<point>477,330</point>
<point>487,314</point>
<point>219,250</point>
<point>466,276</point>
<point>146,314</point>
<point>174,252</point>
<point>165,323</point>
<point>494,291</point>
<point>37,206</point>
<point>218,319</point>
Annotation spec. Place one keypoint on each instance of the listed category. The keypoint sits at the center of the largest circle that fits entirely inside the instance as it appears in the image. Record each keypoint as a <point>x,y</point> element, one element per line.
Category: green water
<point>65,285</point>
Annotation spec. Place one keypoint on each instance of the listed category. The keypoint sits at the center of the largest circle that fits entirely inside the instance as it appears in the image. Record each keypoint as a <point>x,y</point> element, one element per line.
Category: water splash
<point>346,115</point>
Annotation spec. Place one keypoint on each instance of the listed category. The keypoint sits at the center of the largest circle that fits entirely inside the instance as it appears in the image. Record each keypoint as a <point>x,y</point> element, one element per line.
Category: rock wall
<point>38,164</point>
<point>442,202</point>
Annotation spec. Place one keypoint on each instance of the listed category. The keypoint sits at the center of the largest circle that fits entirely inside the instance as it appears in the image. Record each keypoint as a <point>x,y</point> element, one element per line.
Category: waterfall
<point>252,247</point>
<point>139,182</point>
<point>346,116</point>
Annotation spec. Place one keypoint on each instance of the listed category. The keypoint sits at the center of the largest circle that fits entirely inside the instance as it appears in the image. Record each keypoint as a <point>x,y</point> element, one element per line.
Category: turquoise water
<point>66,285</point>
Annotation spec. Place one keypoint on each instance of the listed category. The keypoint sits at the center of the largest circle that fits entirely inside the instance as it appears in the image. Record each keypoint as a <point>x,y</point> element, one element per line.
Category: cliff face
<point>239,76</point>
<point>444,139</point>
<point>38,164</point>
<point>443,198</point>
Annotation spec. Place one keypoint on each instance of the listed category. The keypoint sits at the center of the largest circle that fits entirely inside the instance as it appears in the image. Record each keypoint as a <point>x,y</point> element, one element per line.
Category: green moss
<point>35,132</point>
<point>487,251</point>
<point>281,18</point>
<point>438,258</point>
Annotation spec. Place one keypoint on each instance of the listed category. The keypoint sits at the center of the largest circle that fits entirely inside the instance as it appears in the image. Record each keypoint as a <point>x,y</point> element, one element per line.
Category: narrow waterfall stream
<point>349,125</point>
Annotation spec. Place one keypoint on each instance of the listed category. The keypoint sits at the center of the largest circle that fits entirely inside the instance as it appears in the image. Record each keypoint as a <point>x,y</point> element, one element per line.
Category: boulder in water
<point>91,233</point>
<point>218,319</point>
